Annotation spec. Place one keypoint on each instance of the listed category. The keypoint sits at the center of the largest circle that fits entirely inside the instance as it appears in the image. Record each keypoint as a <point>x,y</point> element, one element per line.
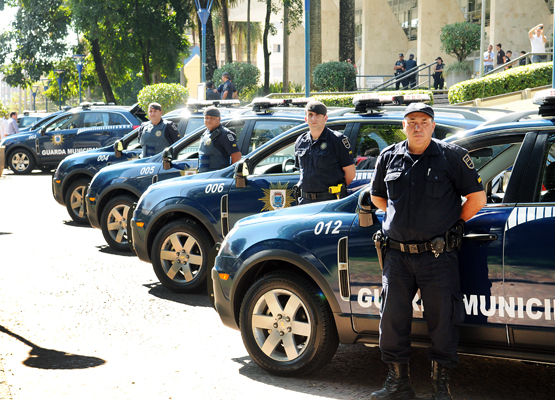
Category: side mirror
<point>167,158</point>
<point>43,131</point>
<point>241,173</point>
<point>118,148</point>
<point>365,209</point>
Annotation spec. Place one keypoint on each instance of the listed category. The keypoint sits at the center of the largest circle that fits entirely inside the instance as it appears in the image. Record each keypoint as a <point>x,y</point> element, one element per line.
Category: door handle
<point>480,237</point>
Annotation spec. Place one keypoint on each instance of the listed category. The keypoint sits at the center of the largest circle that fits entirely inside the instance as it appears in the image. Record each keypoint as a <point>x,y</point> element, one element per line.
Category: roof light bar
<point>546,100</point>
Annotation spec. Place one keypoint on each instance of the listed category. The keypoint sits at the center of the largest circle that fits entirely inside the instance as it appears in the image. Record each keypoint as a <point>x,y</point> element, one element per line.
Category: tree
<point>227,32</point>
<point>346,30</point>
<point>315,35</point>
<point>460,39</point>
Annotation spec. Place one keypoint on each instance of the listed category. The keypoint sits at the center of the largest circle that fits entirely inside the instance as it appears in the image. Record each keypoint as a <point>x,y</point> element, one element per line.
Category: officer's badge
<point>57,139</point>
<point>277,197</point>
<point>230,137</point>
<point>159,133</point>
<point>346,143</point>
<point>208,142</point>
<point>468,161</point>
<point>323,146</point>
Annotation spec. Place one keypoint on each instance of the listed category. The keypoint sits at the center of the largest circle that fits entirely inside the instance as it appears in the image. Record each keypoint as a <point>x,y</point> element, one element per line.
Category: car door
<point>57,137</point>
<point>95,130</point>
<point>528,254</point>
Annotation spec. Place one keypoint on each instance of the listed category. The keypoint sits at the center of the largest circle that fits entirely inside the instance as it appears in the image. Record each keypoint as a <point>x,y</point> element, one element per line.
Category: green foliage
<point>170,96</point>
<point>334,76</point>
<point>460,39</point>
<point>243,75</point>
<point>511,80</point>
<point>346,100</point>
<point>3,111</point>
<point>258,91</point>
<point>458,68</point>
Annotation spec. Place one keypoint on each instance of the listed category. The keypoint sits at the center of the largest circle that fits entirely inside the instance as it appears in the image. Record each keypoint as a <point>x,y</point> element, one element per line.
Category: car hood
<point>286,213</point>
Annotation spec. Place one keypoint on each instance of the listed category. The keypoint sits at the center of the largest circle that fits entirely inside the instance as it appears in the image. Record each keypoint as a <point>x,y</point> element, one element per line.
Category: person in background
<point>537,40</point>
<point>523,60</point>
<point>488,60</point>
<point>411,80</point>
<point>508,56</point>
<point>399,68</point>
<point>229,90</point>
<point>438,74</point>
<point>12,127</point>
<point>501,59</point>
<point>211,93</point>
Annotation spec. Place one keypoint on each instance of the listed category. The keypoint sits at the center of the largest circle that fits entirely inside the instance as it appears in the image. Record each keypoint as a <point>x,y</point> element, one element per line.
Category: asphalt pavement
<point>80,321</point>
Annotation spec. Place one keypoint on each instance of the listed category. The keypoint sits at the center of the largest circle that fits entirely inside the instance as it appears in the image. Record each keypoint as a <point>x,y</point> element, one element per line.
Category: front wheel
<point>21,162</point>
<point>286,325</point>
<point>114,222</point>
<point>75,201</point>
<point>180,256</point>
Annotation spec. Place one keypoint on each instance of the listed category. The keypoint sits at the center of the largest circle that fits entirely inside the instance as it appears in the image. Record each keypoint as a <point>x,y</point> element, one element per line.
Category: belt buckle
<point>413,248</point>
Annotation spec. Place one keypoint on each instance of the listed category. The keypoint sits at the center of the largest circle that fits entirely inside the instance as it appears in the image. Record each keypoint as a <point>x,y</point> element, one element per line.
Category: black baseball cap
<point>401,55</point>
<point>156,106</point>
<point>419,107</point>
<point>212,111</point>
<point>317,107</point>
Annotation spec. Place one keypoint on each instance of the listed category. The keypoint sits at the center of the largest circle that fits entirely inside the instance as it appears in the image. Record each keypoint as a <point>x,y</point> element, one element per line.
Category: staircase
<point>441,97</point>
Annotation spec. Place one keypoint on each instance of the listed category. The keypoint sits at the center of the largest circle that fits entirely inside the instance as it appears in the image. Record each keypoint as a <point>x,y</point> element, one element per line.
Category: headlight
<point>226,239</point>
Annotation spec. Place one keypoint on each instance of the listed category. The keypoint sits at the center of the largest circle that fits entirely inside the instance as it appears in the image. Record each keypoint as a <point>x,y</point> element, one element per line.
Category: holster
<point>453,237</point>
<point>379,242</point>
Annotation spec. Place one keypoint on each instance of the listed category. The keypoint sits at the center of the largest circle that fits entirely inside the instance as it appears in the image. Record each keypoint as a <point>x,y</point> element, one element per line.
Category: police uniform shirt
<point>216,148</point>
<point>155,138</point>
<point>410,64</point>
<point>321,161</point>
<point>230,88</point>
<point>423,192</point>
<point>401,63</point>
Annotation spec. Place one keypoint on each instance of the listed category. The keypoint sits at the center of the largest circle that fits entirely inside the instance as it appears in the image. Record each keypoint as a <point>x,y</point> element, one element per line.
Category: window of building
<point>406,12</point>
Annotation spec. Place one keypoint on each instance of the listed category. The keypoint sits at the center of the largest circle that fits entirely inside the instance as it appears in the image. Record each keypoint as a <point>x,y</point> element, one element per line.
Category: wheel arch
<point>267,261</point>
<point>17,147</point>
<point>115,191</point>
<point>72,177</point>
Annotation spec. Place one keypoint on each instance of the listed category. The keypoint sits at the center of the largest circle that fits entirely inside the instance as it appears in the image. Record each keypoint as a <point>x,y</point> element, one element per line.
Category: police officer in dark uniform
<point>410,65</point>
<point>156,134</point>
<point>419,183</point>
<point>217,144</point>
<point>325,159</point>
<point>399,67</point>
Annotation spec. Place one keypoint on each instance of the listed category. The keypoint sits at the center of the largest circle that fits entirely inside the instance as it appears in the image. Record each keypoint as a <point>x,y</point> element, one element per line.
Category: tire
<point>21,162</point>
<point>287,342</point>
<point>114,222</point>
<point>75,201</point>
<point>180,256</point>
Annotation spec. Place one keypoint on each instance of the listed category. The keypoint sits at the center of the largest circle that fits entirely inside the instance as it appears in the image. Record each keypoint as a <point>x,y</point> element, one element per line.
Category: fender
<point>68,180</point>
<point>18,146</point>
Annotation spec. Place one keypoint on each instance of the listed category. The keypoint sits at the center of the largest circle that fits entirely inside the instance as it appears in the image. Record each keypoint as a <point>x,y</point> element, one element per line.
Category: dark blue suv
<point>76,171</point>
<point>177,222</point>
<point>297,282</point>
<point>77,130</point>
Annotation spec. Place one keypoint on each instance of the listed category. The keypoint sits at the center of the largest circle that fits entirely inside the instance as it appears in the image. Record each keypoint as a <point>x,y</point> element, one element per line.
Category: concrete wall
<point>330,30</point>
<point>511,20</point>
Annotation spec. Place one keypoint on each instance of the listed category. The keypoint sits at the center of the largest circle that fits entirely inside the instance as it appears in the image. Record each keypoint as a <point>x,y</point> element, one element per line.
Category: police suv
<point>114,189</point>
<point>77,130</point>
<point>297,282</point>
<point>76,171</point>
<point>177,222</point>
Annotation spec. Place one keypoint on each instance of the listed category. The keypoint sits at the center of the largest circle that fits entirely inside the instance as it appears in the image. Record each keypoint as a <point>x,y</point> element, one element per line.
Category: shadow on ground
<point>197,299</point>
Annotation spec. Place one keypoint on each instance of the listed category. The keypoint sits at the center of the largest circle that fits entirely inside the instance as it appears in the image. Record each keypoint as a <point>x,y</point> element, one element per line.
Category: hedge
<point>334,76</point>
<point>170,96</point>
<point>508,81</point>
<point>346,100</point>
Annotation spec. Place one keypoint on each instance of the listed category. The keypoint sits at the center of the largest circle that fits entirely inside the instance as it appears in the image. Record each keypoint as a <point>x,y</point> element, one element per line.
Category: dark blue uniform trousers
<point>438,280</point>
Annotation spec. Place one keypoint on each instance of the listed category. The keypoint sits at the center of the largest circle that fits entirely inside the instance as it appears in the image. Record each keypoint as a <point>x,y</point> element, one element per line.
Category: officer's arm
<point>474,203</point>
<point>379,202</point>
<point>235,157</point>
<point>224,96</point>
<point>350,173</point>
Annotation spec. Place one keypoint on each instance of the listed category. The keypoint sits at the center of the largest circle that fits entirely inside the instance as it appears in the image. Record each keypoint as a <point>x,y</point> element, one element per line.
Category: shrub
<point>170,96</point>
<point>346,100</point>
<point>258,91</point>
<point>334,76</point>
<point>243,75</point>
<point>512,80</point>
<point>460,39</point>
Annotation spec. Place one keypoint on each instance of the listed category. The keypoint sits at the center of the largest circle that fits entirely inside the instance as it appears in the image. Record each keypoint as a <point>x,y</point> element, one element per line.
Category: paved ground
<point>78,321</point>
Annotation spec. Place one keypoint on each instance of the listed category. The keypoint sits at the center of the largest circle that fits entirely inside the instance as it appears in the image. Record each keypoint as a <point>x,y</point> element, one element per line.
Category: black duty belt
<point>317,195</point>
<point>409,247</point>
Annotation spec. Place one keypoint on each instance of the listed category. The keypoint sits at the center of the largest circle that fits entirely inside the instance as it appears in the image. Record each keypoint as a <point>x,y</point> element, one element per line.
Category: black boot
<point>397,384</point>
<point>440,382</point>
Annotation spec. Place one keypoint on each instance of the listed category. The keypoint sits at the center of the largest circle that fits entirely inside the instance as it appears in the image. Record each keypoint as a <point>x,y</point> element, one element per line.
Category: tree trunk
<point>227,33</point>
<point>249,31</point>
<point>265,46</point>
<point>346,30</point>
<point>285,49</point>
<point>101,73</point>
<point>315,35</point>
<point>211,64</point>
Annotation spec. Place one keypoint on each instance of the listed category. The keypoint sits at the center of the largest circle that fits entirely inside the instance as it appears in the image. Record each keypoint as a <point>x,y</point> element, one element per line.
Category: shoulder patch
<point>468,161</point>
<point>231,137</point>
<point>346,143</point>
<point>174,126</point>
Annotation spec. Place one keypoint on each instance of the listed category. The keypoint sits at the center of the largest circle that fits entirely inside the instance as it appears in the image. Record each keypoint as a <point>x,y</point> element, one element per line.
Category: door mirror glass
<point>365,208</point>
<point>118,148</point>
<point>167,157</point>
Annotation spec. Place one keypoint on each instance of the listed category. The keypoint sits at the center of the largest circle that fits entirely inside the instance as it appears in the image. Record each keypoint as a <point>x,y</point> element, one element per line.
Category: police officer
<point>217,144</point>
<point>419,183</point>
<point>156,134</point>
<point>411,80</point>
<point>325,159</point>
<point>400,67</point>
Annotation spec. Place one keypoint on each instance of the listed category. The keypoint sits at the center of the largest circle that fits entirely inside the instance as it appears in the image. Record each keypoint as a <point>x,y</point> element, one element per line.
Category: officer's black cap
<point>317,107</point>
<point>411,56</point>
<point>156,106</point>
<point>419,107</point>
<point>401,55</point>
<point>212,111</point>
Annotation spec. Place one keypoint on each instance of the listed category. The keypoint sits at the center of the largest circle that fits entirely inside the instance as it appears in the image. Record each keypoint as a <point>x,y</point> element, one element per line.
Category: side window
<point>442,132</point>
<point>281,161</point>
<point>235,126</point>
<point>91,119</point>
<point>372,139</point>
<point>67,122</point>
<point>190,151</point>
<point>192,125</point>
<point>548,175</point>
<point>266,130</point>
<point>117,119</point>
